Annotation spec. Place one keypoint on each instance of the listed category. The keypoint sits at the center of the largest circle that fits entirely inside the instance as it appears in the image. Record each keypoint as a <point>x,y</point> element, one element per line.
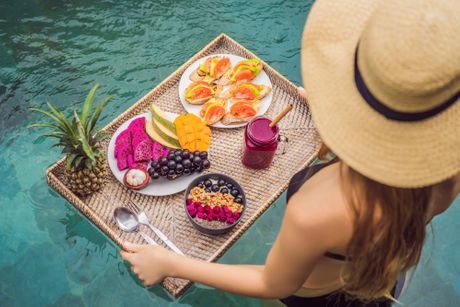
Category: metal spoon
<point>127,221</point>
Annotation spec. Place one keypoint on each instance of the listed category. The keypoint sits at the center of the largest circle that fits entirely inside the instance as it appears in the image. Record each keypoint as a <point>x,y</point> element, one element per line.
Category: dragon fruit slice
<point>137,124</point>
<point>123,138</point>
<point>122,156</point>
<point>138,136</point>
<point>159,151</point>
<point>143,151</point>
<point>132,164</point>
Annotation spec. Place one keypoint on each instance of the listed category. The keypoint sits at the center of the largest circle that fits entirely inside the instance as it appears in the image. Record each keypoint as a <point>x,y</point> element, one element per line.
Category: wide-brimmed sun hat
<point>383,83</point>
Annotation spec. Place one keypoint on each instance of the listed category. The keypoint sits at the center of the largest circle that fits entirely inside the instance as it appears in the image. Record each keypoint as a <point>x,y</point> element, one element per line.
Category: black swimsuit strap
<point>299,179</point>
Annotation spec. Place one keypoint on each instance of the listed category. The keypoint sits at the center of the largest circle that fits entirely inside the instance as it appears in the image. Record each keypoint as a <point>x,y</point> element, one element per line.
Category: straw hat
<point>383,84</point>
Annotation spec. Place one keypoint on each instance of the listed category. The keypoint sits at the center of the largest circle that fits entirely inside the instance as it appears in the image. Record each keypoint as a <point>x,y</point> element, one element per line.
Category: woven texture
<point>262,187</point>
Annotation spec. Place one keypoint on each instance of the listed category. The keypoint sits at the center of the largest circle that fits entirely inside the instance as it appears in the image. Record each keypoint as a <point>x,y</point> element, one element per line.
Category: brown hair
<point>388,234</point>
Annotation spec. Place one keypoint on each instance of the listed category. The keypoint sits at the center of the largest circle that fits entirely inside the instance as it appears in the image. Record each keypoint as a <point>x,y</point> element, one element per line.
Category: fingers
<point>131,247</point>
<point>302,92</point>
<point>126,256</point>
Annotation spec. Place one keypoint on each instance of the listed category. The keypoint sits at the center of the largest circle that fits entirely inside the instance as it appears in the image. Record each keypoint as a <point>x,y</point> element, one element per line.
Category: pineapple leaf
<point>97,113</point>
<point>49,115</point>
<point>100,136</point>
<point>89,164</point>
<point>69,160</point>
<point>44,125</point>
<point>87,104</point>
<point>56,119</point>
<point>77,161</point>
<point>44,136</point>
<point>82,137</point>
<point>62,117</point>
<point>57,145</point>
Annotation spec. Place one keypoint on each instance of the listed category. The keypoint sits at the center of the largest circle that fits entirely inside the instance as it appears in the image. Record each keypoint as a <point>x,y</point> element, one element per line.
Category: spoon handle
<point>147,238</point>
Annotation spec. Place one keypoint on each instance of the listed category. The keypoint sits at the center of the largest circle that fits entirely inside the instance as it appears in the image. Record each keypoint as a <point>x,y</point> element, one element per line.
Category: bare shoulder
<point>320,205</point>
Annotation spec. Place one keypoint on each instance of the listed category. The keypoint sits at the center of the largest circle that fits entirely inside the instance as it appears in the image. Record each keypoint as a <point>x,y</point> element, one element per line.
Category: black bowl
<point>214,231</point>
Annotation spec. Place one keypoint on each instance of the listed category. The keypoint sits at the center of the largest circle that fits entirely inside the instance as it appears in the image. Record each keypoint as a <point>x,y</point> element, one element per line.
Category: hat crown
<point>409,53</point>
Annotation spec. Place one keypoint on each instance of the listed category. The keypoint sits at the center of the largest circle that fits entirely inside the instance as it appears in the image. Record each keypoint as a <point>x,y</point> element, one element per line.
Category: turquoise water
<point>56,50</point>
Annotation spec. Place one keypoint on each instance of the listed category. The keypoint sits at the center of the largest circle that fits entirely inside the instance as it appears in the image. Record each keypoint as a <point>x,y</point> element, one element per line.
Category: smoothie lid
<point>259,131</point>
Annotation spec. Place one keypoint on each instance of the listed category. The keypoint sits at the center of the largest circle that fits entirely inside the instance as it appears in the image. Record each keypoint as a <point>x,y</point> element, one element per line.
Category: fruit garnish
<point>247,90</point>
<point>136,178</point>
<point>213,68</point>
<point>241,111</point>
<point>243,70</point>
<point>214,113</point>
<point>192,132</point>
<point>199,92</point>
<point>161,128</point>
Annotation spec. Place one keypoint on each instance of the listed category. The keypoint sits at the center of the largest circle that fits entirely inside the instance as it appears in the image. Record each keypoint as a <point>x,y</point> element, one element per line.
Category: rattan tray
<point>167,213</point>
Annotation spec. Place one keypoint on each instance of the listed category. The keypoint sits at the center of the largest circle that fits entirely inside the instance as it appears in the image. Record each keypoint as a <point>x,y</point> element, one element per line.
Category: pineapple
<point>80,139</point>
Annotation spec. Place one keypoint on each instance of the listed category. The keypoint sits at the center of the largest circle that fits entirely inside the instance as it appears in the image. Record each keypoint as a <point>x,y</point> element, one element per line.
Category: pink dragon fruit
<point>137,124</point>
<point>123,138</point>
<point>158,151</point>
<point>122,156</point>
<point>142,151</point>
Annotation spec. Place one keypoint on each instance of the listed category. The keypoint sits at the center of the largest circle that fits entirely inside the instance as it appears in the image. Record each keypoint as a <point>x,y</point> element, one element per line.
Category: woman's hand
<point>151,263</point>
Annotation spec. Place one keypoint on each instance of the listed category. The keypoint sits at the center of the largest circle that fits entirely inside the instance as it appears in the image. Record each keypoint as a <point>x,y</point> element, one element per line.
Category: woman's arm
<point>300,242</point>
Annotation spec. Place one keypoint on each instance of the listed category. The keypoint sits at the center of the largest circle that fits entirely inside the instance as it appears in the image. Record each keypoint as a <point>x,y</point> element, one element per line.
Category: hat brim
<point>400,154</point>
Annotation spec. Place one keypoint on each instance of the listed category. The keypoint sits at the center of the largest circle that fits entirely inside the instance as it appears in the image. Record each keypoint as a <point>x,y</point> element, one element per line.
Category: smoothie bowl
<point>214,203</point>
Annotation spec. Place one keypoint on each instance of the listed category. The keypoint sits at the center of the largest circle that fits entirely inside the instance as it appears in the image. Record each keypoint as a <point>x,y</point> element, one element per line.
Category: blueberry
<point>196,153</point>
<point>214,188</point>
<point>187,171</point>
<point>234,192</point>
<point>238,199</point>
<point>172,165</point>
<point>178,159</point>
<point>163,161</point>
<point>200,185</point>
<point>171,172</point>
<point>155,175</point>
<point>187,163</point>
<point>203,155</point>
<point>229,186</point>
<point>199,169</point>
<point>221,182</point>
<point>224,191</point>
<point>207,183</point>
<point>150,170</point>
<point>207,190</point>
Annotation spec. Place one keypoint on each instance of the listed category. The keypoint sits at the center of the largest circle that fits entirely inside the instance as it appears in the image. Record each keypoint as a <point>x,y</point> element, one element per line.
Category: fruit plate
<point>184,82</point>
<point>159,187</point>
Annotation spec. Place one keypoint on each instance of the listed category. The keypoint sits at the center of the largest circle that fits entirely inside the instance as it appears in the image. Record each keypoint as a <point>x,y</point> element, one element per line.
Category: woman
<point>383,80</point>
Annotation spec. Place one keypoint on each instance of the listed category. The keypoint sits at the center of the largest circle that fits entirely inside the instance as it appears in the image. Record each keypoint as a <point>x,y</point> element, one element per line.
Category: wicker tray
<point>167,213</point>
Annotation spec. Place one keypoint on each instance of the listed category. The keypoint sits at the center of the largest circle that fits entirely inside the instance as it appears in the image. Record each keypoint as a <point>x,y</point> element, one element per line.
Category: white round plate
<point>159,187</point>
<point>184,82</point>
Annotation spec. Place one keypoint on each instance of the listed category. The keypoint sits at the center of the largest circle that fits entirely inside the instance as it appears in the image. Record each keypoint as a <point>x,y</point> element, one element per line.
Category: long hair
<point>388,233</point>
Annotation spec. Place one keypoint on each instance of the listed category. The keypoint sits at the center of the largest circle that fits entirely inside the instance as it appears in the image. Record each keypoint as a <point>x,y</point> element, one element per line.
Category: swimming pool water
<point>56,50</point>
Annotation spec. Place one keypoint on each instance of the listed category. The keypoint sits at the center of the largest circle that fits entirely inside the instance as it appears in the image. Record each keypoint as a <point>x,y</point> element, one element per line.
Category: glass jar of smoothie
<point>260,143</point>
